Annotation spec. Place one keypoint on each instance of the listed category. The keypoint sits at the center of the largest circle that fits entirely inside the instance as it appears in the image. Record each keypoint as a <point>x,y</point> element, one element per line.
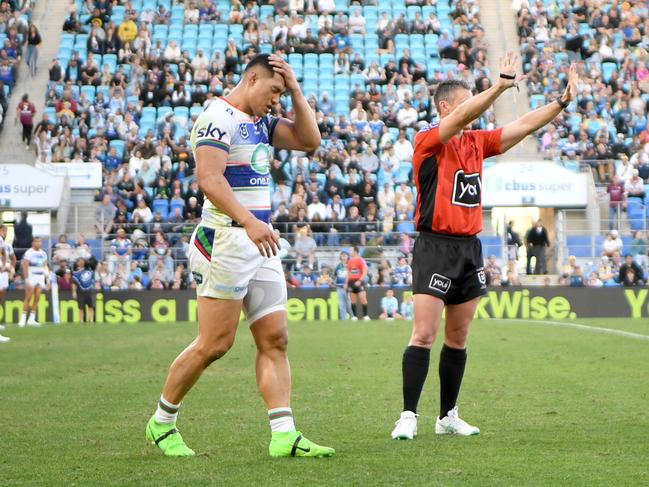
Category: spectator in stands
<point>62,254</point>
<point>82,250</point>
<point>403,273</point>
<point>72,24</point>
<point>617,196</point>
<point>513,242</point>
<point>127,30</point>
<point>612,244</point>
<point>120,251</point>
<point>635,187</point>
<point>33,41</point>
<point>104,215</point>
<point>639,249</point>
<point>630,274</point>
<point>390,307</point>
<point>536,241</point>
<point>492,269</point>
<point>25,111</point>
<point>304,248</point>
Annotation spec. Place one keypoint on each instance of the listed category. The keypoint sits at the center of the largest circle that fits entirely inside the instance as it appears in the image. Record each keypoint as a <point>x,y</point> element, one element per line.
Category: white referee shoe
<point>354,318</point>
<point>453,425</point>
<point>406,427</point>
<point>33,322</point>
<point>4,339</point>
<point>366,318</point>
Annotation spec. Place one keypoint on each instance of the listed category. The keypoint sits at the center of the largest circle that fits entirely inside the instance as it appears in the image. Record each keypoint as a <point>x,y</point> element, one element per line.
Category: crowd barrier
<point>535,303</point>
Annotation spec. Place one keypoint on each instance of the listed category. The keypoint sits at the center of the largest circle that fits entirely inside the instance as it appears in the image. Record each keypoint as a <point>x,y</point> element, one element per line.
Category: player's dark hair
<point>355,249</point>
<point>262,60</point>
<point>446,89</point>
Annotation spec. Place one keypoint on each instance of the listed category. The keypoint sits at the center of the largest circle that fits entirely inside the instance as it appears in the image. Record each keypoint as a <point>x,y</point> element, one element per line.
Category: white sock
<point>281,420</point>
<point>32,316</point>
<point>24,320</point>
<point>167,415</point>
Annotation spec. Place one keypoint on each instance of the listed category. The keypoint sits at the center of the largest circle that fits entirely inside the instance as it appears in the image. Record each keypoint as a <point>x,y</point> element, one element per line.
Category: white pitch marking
<point>578,326</point>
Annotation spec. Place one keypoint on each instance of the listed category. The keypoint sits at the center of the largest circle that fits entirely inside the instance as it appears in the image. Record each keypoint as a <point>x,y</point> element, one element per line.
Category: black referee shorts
<point>86,298</point>
<point>448,267</point>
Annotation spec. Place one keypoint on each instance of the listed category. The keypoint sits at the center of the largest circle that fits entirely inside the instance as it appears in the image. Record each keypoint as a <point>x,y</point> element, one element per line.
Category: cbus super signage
<point>25,187</point>
<point>544,184</point>
<point>541,303</point>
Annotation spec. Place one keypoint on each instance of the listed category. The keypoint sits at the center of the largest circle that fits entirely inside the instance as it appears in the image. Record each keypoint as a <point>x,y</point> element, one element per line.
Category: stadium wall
<point>535,303</point>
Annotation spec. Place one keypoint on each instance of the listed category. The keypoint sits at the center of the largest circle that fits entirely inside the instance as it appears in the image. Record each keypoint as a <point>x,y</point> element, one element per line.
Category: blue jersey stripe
<point>241,177</point>
<point>263,215</point>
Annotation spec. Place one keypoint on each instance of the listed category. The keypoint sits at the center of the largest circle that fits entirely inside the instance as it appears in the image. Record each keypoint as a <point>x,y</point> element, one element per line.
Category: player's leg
<point>3,339</point>
<point>416,361</point>
<point>342,303</point>
<point>35,300</point>
<point>363,299</point>
<point>217,325</point>
<point>29,292</point>
<point>353,295</point>
<point>383,316</point>
<point>265,309</point>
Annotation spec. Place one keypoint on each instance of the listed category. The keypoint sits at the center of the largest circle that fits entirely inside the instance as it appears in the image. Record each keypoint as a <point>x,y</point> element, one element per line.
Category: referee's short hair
<point>445,90</point>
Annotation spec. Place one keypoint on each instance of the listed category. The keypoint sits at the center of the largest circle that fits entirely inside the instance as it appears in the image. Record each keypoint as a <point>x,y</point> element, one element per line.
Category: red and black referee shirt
<point>448,178</point>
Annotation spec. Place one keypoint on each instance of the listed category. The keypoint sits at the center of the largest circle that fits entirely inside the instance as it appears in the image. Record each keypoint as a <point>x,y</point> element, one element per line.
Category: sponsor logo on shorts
<point>440,283</point>
<point>467,189</point>
<point>229,289</point>
<point>482,277</point>
<point>198,277</point>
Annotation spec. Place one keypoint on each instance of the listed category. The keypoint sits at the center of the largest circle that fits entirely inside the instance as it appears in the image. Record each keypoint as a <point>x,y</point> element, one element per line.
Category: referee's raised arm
<point>456,112</point>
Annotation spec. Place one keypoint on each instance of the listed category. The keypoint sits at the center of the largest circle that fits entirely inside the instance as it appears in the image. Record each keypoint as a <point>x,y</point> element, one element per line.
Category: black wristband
<point>562,104</point>
<point>507,76</point>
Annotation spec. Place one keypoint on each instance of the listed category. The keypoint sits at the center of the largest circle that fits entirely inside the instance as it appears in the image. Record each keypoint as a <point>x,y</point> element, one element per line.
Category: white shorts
<point>4,280</point>
<point>34,280</point>
<point>226,265</point>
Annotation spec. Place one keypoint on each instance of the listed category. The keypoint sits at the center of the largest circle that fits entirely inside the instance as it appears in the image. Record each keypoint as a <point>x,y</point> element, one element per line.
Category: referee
<point>447,264</point>
<point>83,290</point>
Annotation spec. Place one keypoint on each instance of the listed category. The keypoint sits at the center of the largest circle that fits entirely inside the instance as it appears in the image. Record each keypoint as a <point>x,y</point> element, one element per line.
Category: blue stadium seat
<point>119,146</point>
<point>536,101</point>
<point>161,206</point>
<point>89,91</point>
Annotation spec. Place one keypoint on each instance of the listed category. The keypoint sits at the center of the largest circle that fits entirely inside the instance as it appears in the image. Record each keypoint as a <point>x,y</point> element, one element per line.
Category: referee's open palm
<point>508,67</point>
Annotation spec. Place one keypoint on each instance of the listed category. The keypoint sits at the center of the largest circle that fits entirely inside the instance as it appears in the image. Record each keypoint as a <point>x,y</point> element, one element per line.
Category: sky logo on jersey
<point>467,189</point>
<point>211,131</point>
<point>440,283</point>
<point>260,160</point>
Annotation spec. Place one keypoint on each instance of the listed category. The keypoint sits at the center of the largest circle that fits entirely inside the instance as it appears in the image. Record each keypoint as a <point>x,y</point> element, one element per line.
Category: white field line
<point>578,326</point>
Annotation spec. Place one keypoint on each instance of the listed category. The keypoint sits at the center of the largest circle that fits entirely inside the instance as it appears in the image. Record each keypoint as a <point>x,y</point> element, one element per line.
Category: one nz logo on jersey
<point>467,189</point>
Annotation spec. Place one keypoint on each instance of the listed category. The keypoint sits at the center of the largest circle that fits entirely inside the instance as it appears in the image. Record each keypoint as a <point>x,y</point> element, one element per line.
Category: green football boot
<point>167,438</point>
<point>293,444</point>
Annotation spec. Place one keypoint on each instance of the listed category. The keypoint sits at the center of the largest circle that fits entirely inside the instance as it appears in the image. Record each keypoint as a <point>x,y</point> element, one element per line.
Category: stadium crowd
<point>129,83</point>
<point>609,41</point>
<point>19,39</point>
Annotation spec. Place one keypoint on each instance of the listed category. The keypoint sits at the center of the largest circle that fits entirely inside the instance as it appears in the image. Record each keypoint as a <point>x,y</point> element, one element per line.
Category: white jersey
<point>246,140</point>
<point>8,252</point>
<point>37,261</point>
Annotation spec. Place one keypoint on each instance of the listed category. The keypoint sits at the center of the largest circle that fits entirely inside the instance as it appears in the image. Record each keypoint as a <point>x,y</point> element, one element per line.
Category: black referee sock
<point>354,309</point>
<point>415,369</point>
<point>364,310</point>
<point>451,370</point>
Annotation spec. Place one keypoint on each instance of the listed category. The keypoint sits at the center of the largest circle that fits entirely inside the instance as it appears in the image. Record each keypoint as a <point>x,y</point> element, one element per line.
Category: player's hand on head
<point>262,236</point>
<point>282,67</point>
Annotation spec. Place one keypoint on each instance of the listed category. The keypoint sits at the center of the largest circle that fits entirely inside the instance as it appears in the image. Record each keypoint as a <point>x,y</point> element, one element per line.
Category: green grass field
<point>556,406</point>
